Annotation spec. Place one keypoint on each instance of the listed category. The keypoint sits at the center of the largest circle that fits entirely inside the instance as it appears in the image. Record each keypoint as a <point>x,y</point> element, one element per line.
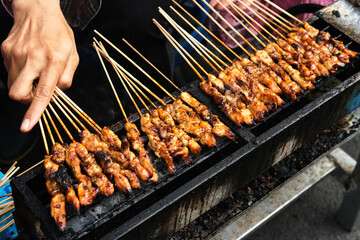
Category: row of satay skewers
<point>173,130</point>
<point>248,88</point>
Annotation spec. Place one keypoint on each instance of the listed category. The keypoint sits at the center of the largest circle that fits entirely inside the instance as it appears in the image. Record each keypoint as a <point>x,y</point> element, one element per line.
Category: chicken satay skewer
<point>196,105</point>
<point>155,143</point>
<point>233,113</point>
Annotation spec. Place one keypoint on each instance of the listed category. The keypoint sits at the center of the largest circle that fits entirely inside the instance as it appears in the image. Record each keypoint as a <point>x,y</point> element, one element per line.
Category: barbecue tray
<point>157,210</point>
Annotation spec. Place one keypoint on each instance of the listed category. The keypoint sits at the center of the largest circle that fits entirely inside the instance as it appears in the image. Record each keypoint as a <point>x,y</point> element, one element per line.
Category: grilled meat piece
<point>85,190</point>
<point>218,128</point>
<point>159,147</point>
<point>175,146</point>
<point>134,136</point>
<point>111,139</point>
<point>94,171</point>
<point>133,160</point>
<point>57,210</point>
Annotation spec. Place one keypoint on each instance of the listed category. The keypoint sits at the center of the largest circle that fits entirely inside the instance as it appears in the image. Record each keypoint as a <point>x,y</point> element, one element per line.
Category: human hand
<point>41,46</point>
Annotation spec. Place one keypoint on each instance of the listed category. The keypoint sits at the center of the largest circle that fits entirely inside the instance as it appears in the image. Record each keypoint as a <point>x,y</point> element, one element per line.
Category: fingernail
<point>25,125</point>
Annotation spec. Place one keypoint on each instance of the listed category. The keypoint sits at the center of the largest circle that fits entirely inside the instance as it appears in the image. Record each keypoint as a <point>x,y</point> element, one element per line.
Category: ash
<point>207,223</point>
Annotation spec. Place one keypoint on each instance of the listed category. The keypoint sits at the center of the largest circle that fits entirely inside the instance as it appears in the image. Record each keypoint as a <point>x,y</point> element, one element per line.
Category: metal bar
<point>255,216</point>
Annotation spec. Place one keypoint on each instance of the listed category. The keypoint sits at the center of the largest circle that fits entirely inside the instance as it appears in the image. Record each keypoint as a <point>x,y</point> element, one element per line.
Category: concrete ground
<point>312,216</point>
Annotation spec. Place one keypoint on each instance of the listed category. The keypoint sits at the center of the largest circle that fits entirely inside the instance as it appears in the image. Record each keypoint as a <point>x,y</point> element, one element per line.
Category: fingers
<point>215,4</point>
<point>66,77</point>
<point>42,96</point>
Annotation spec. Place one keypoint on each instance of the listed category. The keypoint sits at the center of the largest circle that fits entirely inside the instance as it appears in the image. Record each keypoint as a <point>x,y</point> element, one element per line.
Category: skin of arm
<point>40,46</point>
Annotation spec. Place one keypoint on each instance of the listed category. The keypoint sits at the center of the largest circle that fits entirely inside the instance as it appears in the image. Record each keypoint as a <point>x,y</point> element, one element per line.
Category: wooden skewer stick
<point>30,168</point>
<point>5,205</point>
<point>139,90</point>
<point>271,21</point>
<point>9,175</point>
<point>62,123</point>
<point>176,46</point>
<point>125,71</point>
<point>6,199</point>
<point>48,129</point>
<point>131,61</point>
<point>78,110</point>
<point>262,19</point>
<point>240,11</point>
<point>247,20</point>
<point>204,37</point>
<point>223,19</point>
<point>152,65</point>
<point>206,29</point>
<point>7,209</point>
<point>275,13</point>
<point>120,76</point>
<point>12,167</point>
<point>200,49</point>
<point>7,225</point>
<point>272,16</point>
<point>111,84</point>
<point>5,218</point>
<point>44,137</point>
<point>69,112</point>
<point>6,195</point>
<point>136,93</point>
<point>123,77</point>
<point>285,12</point>
<point>54,126</point>
<point>66,115</point>
<point>221,27</point>
<point>242,24</point>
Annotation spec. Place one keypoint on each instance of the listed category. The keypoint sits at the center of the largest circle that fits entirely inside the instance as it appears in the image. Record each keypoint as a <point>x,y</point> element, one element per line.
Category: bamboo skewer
<point>202,35</point>
<point>7,225</point>
<point>206,29</point>
<point>48,128</point>
<point>247,20</point>
<point>191,40</point>
<point>44,137</point>
<point>111,84</point>
<point>271,16</point>
<point>30,168</point>
<point>285,12</point>
<point>127,73</point>
<point>271,21</point>
<point>54,126</point>
<point>61,123</point>
<point>239,10</point>
<point>171,40</point>
<point>152,65</point>
<point>7,199</point>
<point>129,59</point>
<point>223,19</point>
<point>5,195</point>
<point>275,13</point>
<point>3,220</point>
<point>69,112</point>
<point>66,115</point>
<point>262,19</point>
<point>242,24</point>
<point>226,32</point>
<point>78,110</point>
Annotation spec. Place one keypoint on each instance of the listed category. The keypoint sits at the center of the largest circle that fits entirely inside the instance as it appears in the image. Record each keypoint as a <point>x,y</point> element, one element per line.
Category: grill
<point>155,211</point>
